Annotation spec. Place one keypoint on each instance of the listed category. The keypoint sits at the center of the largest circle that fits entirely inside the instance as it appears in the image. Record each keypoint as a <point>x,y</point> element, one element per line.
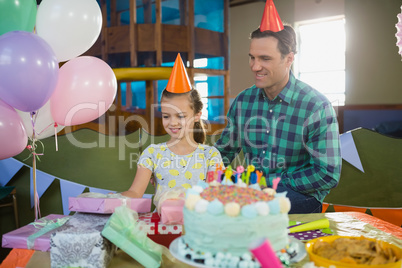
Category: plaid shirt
<point>294,136</point>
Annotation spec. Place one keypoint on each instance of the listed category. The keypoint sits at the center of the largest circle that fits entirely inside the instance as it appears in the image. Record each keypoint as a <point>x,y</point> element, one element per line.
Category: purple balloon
<point>28,70</point>
<point>13,138</point>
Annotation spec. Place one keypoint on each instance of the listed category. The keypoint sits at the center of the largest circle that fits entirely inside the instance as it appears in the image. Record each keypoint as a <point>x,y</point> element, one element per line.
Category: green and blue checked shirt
<point>294,136</point>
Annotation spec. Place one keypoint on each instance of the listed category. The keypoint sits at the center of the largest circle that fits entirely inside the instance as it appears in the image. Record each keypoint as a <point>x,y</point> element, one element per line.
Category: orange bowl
<point>324,262</point>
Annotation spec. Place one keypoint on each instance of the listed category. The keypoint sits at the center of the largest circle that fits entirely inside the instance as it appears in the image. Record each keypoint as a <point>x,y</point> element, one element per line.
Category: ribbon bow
<point>45,226</point>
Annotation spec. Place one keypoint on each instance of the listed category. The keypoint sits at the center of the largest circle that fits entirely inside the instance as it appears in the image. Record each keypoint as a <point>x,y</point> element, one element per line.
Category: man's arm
<point>321,140</point>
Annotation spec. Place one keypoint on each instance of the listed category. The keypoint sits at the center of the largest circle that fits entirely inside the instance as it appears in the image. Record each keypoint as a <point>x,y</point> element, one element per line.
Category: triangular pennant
<point>8,168</point>
<point>100,191</point>
<point>324,207</point>
<point>69,189</point>
<point>338,208</point>
<point>349,150</point>
<point>43,182</point>
<point>392,215</point>
<point>178,81</point>
<point>270,18</point>
<point>149,196</point>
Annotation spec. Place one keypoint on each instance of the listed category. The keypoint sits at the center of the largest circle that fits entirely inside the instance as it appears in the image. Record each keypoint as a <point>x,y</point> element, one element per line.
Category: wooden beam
<point>225,41</point>
<point>113,13</point>
<point>158,32</point>
<point>103,34</point>
<point>133,33</point>
<point>191,38</point>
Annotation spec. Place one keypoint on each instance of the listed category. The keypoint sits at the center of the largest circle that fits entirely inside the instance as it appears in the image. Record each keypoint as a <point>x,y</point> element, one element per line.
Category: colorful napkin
<point>309,230</point>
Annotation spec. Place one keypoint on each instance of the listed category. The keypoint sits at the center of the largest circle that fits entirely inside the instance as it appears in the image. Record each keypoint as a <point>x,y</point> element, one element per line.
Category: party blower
<point>262,250</point>
<point>309,226</point>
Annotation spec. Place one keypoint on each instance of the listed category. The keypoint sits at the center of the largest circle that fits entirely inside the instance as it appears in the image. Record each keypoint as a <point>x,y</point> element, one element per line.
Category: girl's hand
<point>129,194</point>
<point>152,181</point>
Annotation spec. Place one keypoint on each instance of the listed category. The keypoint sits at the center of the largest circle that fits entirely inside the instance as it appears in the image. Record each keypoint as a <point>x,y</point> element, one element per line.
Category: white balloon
<point>70,27</point>
<point>44,123</point>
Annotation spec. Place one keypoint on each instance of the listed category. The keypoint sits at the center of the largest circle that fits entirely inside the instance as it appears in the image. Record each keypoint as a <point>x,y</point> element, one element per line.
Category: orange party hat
<point>178,81</point>
<point>270,19</point>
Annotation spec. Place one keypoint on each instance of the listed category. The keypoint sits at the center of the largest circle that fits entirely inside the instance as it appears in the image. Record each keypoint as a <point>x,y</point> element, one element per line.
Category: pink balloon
<point>85,90</point>
<point>13,138</point>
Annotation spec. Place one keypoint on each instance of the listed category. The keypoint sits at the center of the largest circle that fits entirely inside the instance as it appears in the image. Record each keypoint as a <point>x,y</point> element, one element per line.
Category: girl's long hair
<point>196,105</point>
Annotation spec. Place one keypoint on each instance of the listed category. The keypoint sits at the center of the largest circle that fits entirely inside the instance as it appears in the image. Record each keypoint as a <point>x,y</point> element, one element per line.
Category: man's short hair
<point>286,39</point>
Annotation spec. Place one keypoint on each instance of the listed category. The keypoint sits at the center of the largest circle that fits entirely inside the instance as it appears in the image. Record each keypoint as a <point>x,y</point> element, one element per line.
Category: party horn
<point>314,225</point>
<point>262,250</point>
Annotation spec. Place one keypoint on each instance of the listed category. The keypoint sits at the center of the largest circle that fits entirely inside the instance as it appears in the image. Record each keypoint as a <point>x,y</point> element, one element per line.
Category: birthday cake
<point>221,221</point>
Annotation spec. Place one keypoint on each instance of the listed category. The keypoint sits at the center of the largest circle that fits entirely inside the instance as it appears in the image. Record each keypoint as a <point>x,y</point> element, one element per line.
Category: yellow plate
<point>324,262</point>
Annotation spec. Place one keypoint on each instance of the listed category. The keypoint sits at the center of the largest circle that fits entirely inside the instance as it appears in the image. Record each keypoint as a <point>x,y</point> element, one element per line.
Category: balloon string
<point>55,135</point>
<point>37,207</point>
<point>33,121</point>
<point>44,129</point>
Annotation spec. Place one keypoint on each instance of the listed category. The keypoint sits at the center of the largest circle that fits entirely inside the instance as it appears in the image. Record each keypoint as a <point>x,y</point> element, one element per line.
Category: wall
<point>315,9</point>
<point>373,65</point>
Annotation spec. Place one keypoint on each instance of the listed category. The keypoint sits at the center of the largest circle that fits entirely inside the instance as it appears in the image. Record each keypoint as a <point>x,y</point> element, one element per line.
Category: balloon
<point>44,123</point>
<point>398,34</point>
<point>28,70</point>
<point>17,15</point>
<point>86,89</point>
<point>70,27</point>
<point>13,138</point>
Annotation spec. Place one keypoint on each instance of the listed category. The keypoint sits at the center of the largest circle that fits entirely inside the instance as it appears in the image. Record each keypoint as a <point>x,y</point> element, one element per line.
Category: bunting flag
<point>8,168</point>
<point>324,207</point>
<point>349,150</point>
<point>43,181</point>
<point>100,191</point>
<point>340,208</point>
<point>392,215</point>
<point>69,189</point>
<point>147,196</point>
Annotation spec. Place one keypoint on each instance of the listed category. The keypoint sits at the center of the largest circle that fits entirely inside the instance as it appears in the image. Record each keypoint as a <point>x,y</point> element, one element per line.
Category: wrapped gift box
<point>172,211</point>
<point>79,243</point>
<point>125,231</point>
<point>38,232</point>
<point>154,226</point>
<point>106,204</point>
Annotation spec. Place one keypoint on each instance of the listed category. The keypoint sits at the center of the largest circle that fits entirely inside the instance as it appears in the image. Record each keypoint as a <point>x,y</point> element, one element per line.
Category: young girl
<point>183,160</point>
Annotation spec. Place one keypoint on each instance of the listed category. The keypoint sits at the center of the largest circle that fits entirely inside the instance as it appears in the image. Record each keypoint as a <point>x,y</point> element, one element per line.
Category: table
<point>341,223</point>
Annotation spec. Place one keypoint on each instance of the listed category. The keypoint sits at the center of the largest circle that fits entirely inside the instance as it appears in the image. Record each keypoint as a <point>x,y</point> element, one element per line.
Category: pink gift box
<point>107,205</point>
<point>172,211</point>
<point>19,237</point>
<point>153,225</point>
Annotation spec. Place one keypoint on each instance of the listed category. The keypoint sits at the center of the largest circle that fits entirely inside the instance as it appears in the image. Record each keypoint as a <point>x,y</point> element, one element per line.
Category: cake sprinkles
<point>240,195</point>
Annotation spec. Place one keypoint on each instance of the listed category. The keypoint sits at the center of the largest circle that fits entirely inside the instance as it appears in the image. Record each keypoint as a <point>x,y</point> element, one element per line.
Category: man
<point>285,128</point>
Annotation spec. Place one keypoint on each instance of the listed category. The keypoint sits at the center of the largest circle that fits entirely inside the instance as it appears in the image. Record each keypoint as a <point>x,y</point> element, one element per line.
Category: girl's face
<point>178,118</point>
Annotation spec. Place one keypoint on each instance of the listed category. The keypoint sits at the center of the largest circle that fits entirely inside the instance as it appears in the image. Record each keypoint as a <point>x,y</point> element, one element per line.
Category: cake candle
<point>228,173</point>
<point>219,172</point>
<point>250,168</point>
<point>243,177</point>
<point>259,174</point>
<point>275,183</point>
<point>239,171</point>
<point>263,182</point>
<point>210,176</point>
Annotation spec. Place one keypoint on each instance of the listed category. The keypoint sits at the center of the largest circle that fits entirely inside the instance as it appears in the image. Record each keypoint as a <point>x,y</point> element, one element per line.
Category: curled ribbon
<point>45,226</point>
<point>32,148</point>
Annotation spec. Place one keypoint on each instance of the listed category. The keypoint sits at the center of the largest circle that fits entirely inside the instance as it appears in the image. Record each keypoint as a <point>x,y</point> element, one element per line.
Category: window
<point>320,61</point>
